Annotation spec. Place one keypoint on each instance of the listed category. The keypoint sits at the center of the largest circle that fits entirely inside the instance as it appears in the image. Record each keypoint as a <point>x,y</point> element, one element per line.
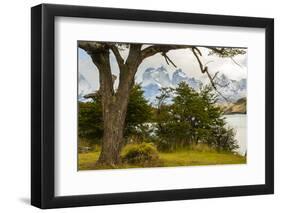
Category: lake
<point>239,123</point>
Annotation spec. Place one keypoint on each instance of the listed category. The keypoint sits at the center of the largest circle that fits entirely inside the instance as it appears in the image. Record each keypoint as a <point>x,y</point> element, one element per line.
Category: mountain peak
<point>162,68</point>
<point>178,70</point>
<point>159,76</point>
<point>231,89</point>
<point>149,69</point>
<point>179,75</point>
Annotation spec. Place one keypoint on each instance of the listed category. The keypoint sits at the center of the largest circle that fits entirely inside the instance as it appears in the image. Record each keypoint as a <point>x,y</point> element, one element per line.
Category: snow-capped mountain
<point>84,88</point>
<point>180,76</point>
<point>157,78</point>
<point>154,79</point>
<point>231,89</point>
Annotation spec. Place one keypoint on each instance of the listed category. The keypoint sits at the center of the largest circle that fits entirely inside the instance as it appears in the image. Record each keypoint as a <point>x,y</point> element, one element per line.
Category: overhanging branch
<point>167,59</point>
<point>117,55</point>
<point>203,69</point>
<point>99,53</point>
<point>154,49</point>
<point>235,62</point>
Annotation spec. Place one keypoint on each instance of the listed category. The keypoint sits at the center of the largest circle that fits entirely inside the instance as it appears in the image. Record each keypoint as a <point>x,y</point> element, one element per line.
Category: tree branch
<point>168,59</point>
<point>128,71</point>
<point>136,56</point>
<point>215,75</point>
<point>91,47</point>
<point>134,53</point>
<point>203,69</point>
<point>235,62</point>
<point>216,50</point>
<point>99,53</point>
<point>227,52</point>
<point>117,55</point>
<point>154,49</point>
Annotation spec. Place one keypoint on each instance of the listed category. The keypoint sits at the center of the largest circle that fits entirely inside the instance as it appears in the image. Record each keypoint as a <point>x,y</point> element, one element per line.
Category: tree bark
<point>115,108</point>
<point>114,104</point>
<point>113,135</point>
<point>114,115</point>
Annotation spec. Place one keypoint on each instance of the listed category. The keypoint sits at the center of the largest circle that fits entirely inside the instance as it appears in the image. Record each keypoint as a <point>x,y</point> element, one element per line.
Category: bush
<point>225,140</point>
<point>141,154</point>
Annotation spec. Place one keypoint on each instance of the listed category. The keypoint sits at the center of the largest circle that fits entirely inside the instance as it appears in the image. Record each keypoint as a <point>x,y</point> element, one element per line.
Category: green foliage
<point>90,120</point>
<point>227,52</point>
<point>223,139</point>
<point>143,153</point>
<point>138,113</point>
<point>192,119</point>
<point>183,118</point>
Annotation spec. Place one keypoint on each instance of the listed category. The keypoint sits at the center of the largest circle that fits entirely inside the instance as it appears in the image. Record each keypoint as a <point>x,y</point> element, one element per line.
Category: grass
<point>196,158</point>
<point>172,159</point>
<point>86,161</point>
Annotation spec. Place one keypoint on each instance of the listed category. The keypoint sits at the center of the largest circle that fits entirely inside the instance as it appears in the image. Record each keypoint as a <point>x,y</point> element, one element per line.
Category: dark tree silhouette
<point>114,103</point>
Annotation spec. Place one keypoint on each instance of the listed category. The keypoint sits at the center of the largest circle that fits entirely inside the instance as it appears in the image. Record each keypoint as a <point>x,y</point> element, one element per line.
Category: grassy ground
<point>179,158</point>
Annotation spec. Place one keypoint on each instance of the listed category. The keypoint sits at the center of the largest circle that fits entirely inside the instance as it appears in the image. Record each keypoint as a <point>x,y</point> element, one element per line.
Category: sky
<point>183,58</point>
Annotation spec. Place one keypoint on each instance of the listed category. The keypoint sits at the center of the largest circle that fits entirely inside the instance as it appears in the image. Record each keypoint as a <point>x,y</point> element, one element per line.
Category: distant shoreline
<point>235,113</point>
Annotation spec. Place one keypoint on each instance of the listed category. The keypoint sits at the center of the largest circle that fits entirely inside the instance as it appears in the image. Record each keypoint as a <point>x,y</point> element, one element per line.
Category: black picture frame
<point>43,102</point>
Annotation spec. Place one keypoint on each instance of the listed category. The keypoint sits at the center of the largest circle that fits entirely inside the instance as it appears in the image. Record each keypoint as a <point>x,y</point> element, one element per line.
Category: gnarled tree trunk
<point>114,104</point>
<point>114,120</point>
<point>114,115</point>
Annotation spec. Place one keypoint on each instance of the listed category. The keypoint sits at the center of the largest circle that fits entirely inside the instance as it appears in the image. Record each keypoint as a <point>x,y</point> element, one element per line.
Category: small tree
<point>222,137</point>
<point>193,118</point>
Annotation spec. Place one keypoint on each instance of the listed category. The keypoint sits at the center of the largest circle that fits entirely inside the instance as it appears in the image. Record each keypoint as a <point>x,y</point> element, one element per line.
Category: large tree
<point>115,102</point>
<point>139,112</point>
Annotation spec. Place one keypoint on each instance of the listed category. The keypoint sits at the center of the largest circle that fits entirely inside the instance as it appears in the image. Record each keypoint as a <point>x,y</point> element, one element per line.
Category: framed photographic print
<point>139,106</point>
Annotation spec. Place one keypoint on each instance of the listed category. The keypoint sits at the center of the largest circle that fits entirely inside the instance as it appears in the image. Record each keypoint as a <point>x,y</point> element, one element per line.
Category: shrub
<point>141,154</point>
<point>225,140</point>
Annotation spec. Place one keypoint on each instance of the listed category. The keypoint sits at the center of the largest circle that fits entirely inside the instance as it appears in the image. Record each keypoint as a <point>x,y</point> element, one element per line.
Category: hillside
<point>239,107</point>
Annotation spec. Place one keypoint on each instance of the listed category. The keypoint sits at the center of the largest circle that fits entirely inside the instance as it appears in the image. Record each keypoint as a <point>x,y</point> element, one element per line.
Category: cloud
<point>88,69</point>
<point>183,58</point>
